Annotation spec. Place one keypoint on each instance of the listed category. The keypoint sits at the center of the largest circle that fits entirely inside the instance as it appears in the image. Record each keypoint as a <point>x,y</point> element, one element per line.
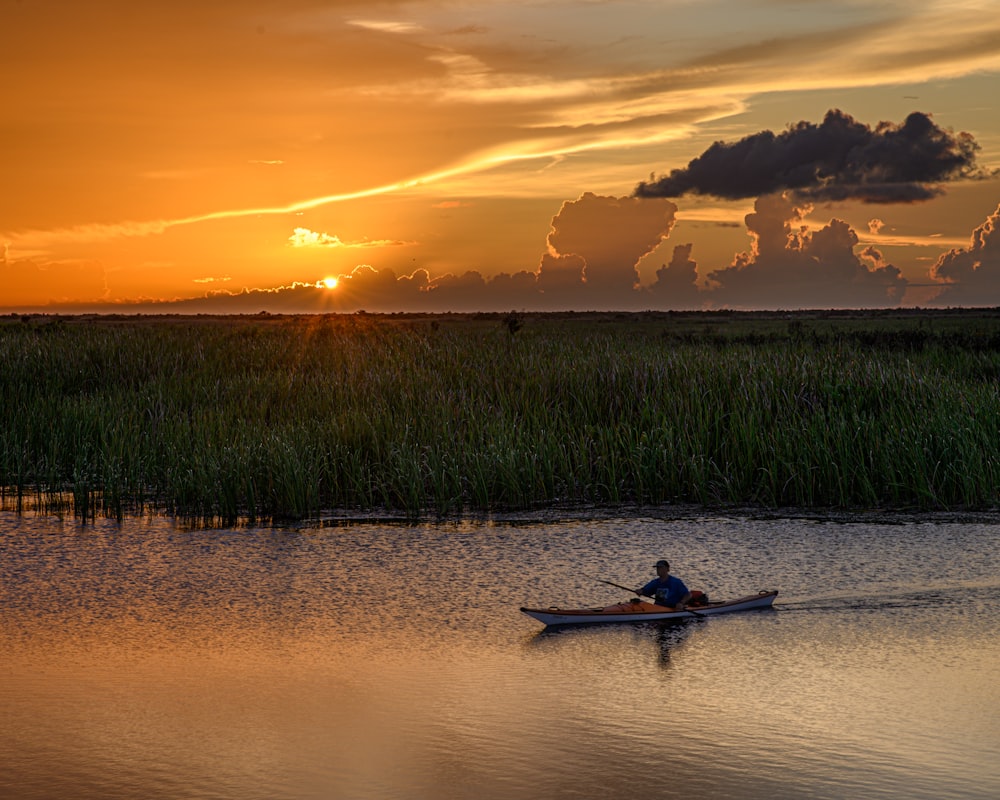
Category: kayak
<point>641,611</point>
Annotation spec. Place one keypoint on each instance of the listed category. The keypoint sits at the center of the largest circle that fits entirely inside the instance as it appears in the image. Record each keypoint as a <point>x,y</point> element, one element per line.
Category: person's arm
<point>685,597</point>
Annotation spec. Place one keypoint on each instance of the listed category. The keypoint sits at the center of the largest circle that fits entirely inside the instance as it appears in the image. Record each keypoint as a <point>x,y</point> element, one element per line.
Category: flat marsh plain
<point>264,418</point>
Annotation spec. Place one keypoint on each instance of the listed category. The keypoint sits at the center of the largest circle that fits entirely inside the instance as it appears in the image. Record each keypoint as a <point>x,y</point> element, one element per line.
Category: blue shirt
<point>665,593</point>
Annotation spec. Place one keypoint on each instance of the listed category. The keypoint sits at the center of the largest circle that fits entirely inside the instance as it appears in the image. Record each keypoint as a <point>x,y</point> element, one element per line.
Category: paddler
<point>666,589</point>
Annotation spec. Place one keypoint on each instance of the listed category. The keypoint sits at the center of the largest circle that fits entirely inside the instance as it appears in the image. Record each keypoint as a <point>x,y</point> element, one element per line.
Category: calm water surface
<point>390,661</point>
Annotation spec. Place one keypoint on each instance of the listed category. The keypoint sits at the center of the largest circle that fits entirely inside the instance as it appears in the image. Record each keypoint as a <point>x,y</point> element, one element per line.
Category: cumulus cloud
<point>560,279</point>
<point>972,274</point>
<point>472,291</point>
<point>790,267</point>
<point>598,241</point>
<point>676,285</point>
<point>838,159</point>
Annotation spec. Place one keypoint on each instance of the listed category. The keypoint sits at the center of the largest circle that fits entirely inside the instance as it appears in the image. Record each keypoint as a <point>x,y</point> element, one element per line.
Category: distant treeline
<point>271,417</point>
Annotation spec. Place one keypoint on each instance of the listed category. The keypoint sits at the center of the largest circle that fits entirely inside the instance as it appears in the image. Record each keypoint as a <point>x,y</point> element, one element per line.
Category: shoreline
<point>345,518</point>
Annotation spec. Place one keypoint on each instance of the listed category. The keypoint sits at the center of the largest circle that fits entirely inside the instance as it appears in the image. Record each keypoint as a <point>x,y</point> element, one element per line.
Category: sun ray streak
<point>530,151</point>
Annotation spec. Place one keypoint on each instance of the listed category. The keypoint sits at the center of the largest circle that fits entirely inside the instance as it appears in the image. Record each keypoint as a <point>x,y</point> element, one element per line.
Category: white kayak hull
<point>646,612</point>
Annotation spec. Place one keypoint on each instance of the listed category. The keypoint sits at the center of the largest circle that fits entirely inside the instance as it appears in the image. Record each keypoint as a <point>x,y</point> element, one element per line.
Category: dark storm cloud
<point>839,159</point>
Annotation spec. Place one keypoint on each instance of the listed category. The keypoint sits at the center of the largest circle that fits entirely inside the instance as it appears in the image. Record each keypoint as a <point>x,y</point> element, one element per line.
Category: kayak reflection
<point>667,637</point>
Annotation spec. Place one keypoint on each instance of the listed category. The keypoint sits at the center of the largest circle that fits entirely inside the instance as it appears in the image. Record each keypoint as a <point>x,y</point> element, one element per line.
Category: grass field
<point>269,417</point>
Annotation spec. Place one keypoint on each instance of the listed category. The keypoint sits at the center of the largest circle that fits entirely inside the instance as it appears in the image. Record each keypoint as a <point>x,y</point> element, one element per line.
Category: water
<point>390,661</point>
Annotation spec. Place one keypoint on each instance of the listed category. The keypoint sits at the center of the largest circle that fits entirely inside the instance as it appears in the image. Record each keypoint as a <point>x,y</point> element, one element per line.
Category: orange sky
<point>307,155</point>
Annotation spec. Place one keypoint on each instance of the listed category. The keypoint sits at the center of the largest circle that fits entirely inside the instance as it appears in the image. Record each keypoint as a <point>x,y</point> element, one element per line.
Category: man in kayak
<point>665,589</point>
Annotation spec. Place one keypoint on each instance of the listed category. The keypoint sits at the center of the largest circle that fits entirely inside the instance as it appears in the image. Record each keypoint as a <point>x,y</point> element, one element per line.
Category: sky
<point>298,156</point>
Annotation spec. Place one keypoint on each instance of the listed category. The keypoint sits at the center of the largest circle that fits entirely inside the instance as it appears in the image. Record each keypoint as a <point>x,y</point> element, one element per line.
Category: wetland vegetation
<point>271,417</point>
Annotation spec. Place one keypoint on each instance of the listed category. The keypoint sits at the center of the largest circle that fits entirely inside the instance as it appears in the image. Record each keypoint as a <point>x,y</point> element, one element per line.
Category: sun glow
<point>329,283</point>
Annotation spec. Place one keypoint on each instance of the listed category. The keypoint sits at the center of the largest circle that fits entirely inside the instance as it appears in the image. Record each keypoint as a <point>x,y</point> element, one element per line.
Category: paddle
<point>627,589</point>
<point>616,585</point>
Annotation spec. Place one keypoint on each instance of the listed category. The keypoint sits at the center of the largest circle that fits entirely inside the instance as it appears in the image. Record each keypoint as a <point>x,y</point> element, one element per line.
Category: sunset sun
<point>329,283</point>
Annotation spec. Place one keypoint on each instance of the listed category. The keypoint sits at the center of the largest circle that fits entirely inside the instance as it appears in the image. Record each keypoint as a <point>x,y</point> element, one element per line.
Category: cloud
<point>602,239</point>
<point>303,237</point>
<point>593,248</point>
<point>972,274</point>
<point>838,159</point>
<point>474,292</point>
<point>41,239</point>
<point>378,290</point>
<point>386,26</point>
<point>560,279</point>
<point>792,269</point>
<point>676,285</point>
<point>381,290</point>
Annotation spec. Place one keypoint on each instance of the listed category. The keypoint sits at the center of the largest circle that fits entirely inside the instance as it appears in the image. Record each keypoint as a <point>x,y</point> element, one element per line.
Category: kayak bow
<point>640,611</point>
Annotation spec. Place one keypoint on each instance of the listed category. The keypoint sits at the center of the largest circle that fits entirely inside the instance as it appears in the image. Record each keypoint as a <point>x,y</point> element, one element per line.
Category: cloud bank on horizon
<point>596,243</point>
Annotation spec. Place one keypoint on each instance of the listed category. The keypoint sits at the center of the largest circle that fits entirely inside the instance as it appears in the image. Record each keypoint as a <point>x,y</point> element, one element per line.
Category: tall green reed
<point>267,419</point>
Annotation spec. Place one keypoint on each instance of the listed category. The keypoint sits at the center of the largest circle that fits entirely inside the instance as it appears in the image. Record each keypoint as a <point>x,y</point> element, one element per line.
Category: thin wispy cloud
<point>477,164</point>
<point>303,237</point>
<point>386,26</point>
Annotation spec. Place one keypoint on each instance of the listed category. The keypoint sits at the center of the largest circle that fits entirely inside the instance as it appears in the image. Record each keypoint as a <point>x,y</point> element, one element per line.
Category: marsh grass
<point>227,419</point>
